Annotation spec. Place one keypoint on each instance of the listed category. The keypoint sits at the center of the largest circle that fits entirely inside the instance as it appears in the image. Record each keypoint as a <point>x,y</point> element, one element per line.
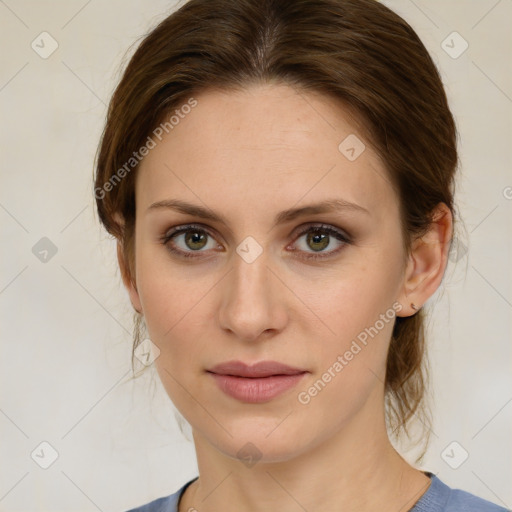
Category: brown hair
<point>358,52</point>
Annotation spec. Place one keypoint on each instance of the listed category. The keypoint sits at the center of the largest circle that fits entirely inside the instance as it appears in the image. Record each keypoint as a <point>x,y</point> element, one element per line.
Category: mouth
<point>257,383</point>
<point>258,370</point>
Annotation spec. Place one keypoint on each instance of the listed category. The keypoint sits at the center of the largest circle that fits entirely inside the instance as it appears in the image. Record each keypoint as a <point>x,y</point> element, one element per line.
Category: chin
<point>262,444</point>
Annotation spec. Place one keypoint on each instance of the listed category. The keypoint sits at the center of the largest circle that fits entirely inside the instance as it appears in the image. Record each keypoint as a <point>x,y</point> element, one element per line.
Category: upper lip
<point>260,369</point>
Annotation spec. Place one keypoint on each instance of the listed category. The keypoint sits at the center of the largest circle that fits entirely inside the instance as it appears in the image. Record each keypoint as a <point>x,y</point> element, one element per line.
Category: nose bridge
<point>250,302</point>
<point>250,276</point>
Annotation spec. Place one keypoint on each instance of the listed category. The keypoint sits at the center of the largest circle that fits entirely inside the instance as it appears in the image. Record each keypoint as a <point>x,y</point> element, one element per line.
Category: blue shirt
<point>438,498</point>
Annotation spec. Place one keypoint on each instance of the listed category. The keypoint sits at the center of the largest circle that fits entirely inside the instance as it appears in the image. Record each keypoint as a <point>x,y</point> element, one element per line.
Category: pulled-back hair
<point>359,53</point>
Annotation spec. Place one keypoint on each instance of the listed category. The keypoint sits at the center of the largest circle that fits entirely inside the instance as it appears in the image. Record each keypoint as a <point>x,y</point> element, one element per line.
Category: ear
<point>128,281</point>
<point>427,262</point>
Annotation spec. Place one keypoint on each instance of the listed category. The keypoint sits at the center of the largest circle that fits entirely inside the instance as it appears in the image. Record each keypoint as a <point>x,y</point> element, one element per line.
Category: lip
<point>260,369</point>
<point>257,383</point>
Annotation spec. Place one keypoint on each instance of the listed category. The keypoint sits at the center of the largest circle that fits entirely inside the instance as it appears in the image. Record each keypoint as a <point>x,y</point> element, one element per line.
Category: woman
<point>279,176</point>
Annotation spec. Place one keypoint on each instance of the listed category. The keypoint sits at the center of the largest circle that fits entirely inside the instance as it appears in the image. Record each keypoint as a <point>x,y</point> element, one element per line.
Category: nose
<point>253,302</point>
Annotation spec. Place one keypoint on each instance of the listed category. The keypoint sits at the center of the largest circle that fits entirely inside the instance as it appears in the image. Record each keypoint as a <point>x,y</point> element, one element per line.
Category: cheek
<point>173,308</point>
<point>177,308</point>
<point>353,297</point>
<point>360,321</point>
<point>164,290</point>
<point>174,311</point>
<point>351,365</point>
<point>356,303</point>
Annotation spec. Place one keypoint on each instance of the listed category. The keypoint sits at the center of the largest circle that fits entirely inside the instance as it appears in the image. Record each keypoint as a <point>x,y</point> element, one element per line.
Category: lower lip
<point>256,390</point>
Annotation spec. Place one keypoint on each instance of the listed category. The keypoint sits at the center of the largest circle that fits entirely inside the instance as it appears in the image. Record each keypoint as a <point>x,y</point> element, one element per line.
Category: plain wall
<point>66,322</point>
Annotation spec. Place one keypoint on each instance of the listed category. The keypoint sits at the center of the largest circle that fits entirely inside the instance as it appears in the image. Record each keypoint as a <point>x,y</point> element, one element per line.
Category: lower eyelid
<point>340,237</point>
<point>330,230</point>
<point>166,239</point>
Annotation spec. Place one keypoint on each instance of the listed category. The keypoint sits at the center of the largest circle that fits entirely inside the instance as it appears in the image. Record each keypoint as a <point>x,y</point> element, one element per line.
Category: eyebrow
<point>327,206</point>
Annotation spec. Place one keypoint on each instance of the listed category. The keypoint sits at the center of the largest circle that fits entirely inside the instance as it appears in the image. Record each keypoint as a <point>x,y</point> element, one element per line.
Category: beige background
<point>66,322</point>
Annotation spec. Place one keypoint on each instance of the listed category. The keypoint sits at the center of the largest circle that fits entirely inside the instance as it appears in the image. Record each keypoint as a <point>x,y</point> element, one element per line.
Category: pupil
<point>316,238</point>
<point>319,239</point>
<point>195,238</point>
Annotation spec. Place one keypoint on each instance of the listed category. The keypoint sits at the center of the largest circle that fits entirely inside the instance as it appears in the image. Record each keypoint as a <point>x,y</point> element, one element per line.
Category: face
<point>265,277</point>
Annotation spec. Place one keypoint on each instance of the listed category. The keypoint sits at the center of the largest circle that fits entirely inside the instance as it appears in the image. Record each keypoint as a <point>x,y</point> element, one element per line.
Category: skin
<point>247,156</point>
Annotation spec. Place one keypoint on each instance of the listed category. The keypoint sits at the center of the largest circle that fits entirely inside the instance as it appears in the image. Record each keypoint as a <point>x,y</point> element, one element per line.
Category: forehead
<point>267,144</point>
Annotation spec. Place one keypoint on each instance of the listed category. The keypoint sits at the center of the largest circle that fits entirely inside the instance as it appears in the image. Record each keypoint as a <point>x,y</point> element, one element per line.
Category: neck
<point>357,468</point>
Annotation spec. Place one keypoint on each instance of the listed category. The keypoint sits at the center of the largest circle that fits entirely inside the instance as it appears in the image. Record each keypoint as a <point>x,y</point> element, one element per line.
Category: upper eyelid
<point>183,228</point>
<point>297,232</point>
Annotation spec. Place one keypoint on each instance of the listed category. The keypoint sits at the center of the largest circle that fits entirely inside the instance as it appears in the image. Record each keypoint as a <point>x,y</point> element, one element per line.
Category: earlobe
<point>128,281</point>
<point>427,262</point>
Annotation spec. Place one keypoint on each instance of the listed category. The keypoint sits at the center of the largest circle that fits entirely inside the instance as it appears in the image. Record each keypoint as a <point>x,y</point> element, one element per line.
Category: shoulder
<point>460,500</point>
<point>164,504</point>
<point>442,498</point>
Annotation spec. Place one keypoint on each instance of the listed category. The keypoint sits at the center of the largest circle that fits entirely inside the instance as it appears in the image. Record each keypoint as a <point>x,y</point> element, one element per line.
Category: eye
<point>193,239</point>
<point>320,237</point>
<point>188,241</point>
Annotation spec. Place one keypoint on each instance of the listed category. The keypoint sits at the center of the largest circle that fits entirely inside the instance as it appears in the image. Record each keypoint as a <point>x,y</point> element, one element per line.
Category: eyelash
<point>324,228</point>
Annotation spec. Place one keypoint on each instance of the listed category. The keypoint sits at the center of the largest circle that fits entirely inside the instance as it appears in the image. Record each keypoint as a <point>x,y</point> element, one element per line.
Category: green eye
<point>319,237</point>
<point>195,239</point>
